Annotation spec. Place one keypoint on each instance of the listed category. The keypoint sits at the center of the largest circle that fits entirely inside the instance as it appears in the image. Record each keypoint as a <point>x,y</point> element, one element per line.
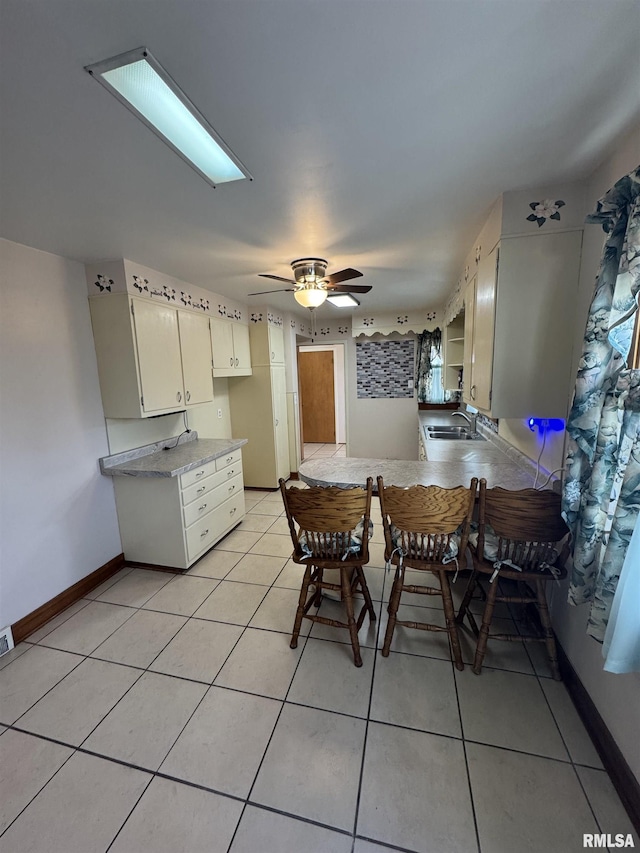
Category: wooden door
<point>315,376</point>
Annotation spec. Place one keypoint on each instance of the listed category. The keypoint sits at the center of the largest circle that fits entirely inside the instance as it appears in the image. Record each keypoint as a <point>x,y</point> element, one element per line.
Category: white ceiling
<point>378,132</point>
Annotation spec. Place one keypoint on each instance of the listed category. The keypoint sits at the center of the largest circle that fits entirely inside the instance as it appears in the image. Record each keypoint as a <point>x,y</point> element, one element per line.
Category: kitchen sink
<point>452,433</point>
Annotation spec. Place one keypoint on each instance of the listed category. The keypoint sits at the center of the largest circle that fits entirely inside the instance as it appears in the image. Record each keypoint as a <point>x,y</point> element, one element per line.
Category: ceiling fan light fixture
<point>310,296</point>
<point>309,270</point>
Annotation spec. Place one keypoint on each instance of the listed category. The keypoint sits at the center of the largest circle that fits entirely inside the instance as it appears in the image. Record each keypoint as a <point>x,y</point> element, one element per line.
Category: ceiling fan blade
<point>276,277</point>
<point>342,275</point>
<point>348,288</point>
<point>281,290</point>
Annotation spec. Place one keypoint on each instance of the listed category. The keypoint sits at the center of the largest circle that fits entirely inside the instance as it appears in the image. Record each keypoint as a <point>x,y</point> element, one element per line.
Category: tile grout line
<point>466,761</point>
<point>368,717</point>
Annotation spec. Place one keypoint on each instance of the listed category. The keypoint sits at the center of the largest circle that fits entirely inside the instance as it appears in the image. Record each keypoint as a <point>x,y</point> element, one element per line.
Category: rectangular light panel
<point>142,85</point>
<point>343,300</point>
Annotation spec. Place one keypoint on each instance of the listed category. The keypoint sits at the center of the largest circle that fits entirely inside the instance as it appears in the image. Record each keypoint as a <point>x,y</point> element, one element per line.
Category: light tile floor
<point>321,450</point>
<point>168,713</point>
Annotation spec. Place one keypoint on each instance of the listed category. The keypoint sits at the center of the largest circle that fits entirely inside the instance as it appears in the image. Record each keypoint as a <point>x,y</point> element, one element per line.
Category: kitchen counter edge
<point>154,461</point>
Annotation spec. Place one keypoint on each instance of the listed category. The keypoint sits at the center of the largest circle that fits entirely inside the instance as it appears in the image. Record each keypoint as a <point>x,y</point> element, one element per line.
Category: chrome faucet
<point>470,420</point>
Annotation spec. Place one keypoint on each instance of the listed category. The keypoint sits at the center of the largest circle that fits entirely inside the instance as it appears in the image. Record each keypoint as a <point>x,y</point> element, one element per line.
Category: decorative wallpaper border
<point>118,277</point>
<point>387,323</point>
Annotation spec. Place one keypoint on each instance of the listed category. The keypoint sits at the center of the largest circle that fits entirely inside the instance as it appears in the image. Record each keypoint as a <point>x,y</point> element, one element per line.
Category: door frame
<point>339,386</point>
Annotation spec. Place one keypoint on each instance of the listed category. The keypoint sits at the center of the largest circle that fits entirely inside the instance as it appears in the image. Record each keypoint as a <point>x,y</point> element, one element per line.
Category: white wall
<point>57,512</point>
<point>617,697</point>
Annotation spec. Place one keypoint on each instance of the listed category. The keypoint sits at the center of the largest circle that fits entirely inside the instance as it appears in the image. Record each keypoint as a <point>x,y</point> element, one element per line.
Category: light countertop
<point>449,463</point>
<point>153,460</point>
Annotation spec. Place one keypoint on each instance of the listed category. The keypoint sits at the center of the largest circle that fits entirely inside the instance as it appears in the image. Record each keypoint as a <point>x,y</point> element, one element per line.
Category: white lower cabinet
<point>173,521</point>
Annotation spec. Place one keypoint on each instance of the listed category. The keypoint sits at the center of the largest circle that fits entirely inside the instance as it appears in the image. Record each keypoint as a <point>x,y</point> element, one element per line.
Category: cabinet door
<point>195,345</point>
<point>483,328</point>
<point>276,345</point>
<point>241,347</point>
<point>280,423</point>
<point>159,361</point>
<point>222,345</point>
<point>468,387</point>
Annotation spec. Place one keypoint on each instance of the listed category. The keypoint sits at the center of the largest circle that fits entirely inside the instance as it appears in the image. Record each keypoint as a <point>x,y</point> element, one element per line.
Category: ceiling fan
<point>311,284</point>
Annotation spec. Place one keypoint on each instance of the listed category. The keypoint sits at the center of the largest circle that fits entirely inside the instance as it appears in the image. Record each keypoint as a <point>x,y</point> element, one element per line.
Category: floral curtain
<point>429,367</point>
<point>601,497</point>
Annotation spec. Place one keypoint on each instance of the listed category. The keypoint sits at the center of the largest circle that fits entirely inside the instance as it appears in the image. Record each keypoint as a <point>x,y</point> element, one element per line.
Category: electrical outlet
<point>219,413</point>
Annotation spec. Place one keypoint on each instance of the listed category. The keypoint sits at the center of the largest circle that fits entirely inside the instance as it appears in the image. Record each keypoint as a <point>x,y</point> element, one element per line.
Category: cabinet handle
<point>231,488</point>
<point>277,422</point>
<point>231,362</point>
<point>204,533</point>
<point>230,473</point>
<point>200,508</point>
<point>273,356</point>
<point>188,396</point>
<point>229,459</point>
<point>201,489</point>
<point>200,473</point>
<point>237,361</point>
<point>231,511</point>
<point>472,392</point>
<point>179,396</point>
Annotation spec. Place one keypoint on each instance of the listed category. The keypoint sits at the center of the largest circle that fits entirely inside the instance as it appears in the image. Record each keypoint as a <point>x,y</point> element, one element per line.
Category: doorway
<point>321,383</point>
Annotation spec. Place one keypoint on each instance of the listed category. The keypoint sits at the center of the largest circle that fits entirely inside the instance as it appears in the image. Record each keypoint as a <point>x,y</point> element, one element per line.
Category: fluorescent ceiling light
<point>343,300</point>
<point>139,82</point>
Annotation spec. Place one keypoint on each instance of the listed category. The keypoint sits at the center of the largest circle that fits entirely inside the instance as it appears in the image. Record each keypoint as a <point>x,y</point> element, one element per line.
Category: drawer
<point>232,458</point>
<point>211,499</point>
<point>197,474</point>
<point>202,487</point>
<point>206,532</point>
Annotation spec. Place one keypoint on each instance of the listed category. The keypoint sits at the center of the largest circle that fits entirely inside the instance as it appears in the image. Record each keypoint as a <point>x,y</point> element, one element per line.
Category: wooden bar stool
<point>330,530</point>
<point>522,529</point>
<point>425,528</point>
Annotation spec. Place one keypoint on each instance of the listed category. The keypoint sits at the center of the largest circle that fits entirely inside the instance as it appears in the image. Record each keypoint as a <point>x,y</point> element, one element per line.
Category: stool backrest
<point>527,523</point>
<point>331,521</point>
<point>423,520</point>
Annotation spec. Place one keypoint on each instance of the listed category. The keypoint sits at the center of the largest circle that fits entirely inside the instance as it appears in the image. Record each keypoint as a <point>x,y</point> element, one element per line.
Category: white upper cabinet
<point>518,310</point>
<point>521,343</point>
<point>149,355</point>
<point>195,345</point>
<point>159,359</point>
<point>267,344</point>
<point>231,350</point>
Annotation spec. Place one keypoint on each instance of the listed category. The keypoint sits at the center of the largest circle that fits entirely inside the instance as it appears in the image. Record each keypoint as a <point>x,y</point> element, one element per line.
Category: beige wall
<point>378,428</point>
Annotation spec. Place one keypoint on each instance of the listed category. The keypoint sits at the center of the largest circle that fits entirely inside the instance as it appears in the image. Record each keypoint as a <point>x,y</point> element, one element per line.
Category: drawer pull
<point>201,489</point>
<point>204,533</point>
<point>230,473</point>
<point>200,473</point>
<point>200,508</point>
<point>231,488</point>
<point>231,511</point>
<point>229,459</point>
